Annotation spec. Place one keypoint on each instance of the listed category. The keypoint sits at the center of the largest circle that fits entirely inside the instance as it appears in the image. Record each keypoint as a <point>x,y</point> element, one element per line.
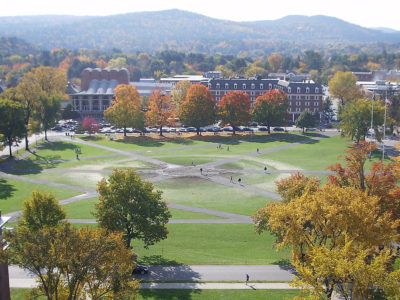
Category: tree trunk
<point>161,130</point>
<point>26,142</point>
<point>233,130</point>
<point>198,130</point>
<point>45,135</point>
<point>124,130</point>
<point>9,146</point>
<point>269,129</point>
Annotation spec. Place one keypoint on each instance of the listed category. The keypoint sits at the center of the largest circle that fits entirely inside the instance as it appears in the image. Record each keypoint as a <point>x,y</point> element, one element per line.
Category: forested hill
<point>189,32</point>
<point>15,46</point>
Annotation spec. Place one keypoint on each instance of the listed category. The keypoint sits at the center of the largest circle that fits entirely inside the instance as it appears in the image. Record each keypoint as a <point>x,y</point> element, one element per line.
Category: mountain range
<point>190,32</point>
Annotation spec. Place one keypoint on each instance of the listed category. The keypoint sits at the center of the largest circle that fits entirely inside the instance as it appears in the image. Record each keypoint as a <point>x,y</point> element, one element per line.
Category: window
<point>270,86</point>
<point>307,97</point>
<point>316,90</point>
<point>307,89</point>
<point>209,85</point>
<point>252,93</point>
<point>297,109</point>
<point>316,103</point>
<point>218,86</point>
<point>253,86</point>
<point>217,93</point>
<point>290,103</point>
<point>217,98</point>
<point>315,109</point>
<point>307,103</point>
<point>289,90</point>
<point>298,90</point>
<point>297,97</point>
<point>226,86</point>
<point>235,86</point>
<point>252,99</point>
<point>244,86</point>
<point>298,103</point>
<point>261,86</point>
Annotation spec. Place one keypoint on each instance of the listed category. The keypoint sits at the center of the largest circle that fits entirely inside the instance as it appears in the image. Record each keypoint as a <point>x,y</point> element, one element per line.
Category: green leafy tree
<point>128,204</point>
<point>47,112</point>
<point>271,108</point>
<point>12,122</point>
<point>198,109</point>
<point>306,119</point>
<point>355,118</point>
<point>41,210</point>
<point>68,113</point>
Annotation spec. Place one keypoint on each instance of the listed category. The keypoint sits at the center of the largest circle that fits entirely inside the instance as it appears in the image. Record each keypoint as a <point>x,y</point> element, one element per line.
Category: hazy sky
<point>366,13</point>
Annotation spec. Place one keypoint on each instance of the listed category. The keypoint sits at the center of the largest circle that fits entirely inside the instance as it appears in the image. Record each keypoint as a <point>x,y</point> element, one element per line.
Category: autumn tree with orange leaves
<point>343,234</point>
<point>271,108</point>
<point>198,109</point>
<point>234,108</point>
<point>126,110</point>
<point>159,112</point>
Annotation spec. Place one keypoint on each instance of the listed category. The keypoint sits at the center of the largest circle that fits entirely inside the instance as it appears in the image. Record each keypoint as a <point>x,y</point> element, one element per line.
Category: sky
<point>366,13</point>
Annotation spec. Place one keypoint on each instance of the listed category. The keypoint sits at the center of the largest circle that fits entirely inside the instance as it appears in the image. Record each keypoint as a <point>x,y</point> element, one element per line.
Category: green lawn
<point>206,194</point>
<point>14,192</point>
<point>312,156</point>
<point>220,244</point>
<point>83,210</point>
<point>153,294</point>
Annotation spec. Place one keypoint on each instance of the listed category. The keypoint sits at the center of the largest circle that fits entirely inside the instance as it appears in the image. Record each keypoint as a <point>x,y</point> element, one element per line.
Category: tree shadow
<point>182,294</point>
<point>6,189</point>
<point>157,260</point>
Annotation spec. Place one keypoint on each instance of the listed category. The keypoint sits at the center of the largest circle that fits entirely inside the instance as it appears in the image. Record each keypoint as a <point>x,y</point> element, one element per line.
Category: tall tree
<point>234,108</point>
<point>47,112</point>
<point>128,204</point>
<point>125,111</point>
<point>12,122</point>
<point>335,245</point>
<point>160,110</point>
<point>198,109</point>
<point>42,82</point>
<point>178,93</point>
<point>41,210</point>
<point>74,263</point>
<point>355,118</point>
<point>306,119</point>
<point>343,86</point>
<point>271,108</point>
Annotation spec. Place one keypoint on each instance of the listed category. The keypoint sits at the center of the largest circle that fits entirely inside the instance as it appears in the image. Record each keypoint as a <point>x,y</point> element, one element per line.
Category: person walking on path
<point>231,179</point>
<point>247,278</point>
<point>258,150</point>
<point>265,169</point>
<point>201,171</point>
<point>240,181</point>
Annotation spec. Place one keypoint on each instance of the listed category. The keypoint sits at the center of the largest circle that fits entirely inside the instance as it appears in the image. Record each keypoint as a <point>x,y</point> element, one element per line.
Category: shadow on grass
<point>6,189</point>
<point>283,262</point>
<point>168,294</point>
<point>157,260</point>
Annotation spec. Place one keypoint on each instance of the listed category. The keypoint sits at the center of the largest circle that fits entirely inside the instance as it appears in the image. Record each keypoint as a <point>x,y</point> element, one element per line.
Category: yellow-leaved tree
<point>343,235</point>
<point>160,110</point>
<point>126,110</point>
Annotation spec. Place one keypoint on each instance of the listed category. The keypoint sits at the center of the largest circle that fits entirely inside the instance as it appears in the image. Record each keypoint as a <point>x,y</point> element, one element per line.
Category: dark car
<point>278,129</point>
<point>140,269</point>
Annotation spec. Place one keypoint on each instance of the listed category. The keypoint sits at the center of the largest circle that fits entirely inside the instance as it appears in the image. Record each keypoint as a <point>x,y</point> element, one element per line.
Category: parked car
<point>140,269</point>
<point>227,128</point>
<point>262,128</point>
<point>278,129</point>
<point>191,129</point>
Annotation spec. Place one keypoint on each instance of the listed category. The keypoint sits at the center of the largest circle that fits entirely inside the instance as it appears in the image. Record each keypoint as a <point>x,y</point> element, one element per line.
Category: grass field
<point>212,244</point>
<point>83,210</point>
<point>14,192</point>
<point>18,294</point>
<point>206,194</point>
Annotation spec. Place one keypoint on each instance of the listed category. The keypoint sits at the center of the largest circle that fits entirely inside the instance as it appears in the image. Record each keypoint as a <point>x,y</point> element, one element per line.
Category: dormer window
<point>298,90</point>
<point>253,86</point>
<point>316,90</point>
<point>289,90</point>
<point>218,86</point>
<point>261,86</point>
<point>270,86</point>
<point>235,86</point>
<point>307,89</point>
<point>226,86</point>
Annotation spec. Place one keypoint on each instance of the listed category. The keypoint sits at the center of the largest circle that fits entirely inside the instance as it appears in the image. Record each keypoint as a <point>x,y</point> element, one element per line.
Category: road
<point>20,278</point>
